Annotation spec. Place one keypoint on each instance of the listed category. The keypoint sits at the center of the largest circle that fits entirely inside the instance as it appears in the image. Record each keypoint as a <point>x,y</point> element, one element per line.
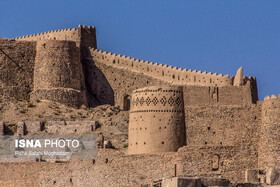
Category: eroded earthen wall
<point>156,121</point>
<point>16,68</point>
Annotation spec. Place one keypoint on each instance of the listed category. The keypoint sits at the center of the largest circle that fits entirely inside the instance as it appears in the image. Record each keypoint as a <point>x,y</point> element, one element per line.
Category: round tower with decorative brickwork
<point>156,120</point>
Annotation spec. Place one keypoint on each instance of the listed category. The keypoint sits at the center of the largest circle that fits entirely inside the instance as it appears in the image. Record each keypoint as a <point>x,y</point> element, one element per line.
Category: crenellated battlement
<point>271,108</point>
<point>72,34</point>
<point>44,33</point>
<point>56,34</point>
<point>168,73</point>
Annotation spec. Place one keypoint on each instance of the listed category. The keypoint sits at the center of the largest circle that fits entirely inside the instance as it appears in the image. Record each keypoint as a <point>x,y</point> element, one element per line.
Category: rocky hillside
<point>113,122</point>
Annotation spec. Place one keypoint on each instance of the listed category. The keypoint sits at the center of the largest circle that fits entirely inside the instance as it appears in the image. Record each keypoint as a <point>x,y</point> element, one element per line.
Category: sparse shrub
<point>73,117</point>
<point>142,177</point>
<point>38,100</point>
<point>75,107</point>
<point>23,111</point>
<point>18,97</point>
<point>103,109</point>
<point>30,104</point>
<point>56,113</point>
<point>83,107</point>
<point>125,145</point>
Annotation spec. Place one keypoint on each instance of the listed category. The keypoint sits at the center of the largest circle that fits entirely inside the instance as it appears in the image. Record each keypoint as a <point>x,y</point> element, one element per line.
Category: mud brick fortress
<point>182,123</point>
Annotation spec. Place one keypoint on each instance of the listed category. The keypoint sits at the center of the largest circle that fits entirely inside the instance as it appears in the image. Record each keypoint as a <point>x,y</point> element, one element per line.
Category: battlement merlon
<point>272,97</point>
<point>171,74</point>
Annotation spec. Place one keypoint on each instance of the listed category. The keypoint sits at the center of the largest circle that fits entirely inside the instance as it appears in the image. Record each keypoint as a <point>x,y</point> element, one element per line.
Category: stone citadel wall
<point>226,130</point>
<point>245,94</point>
<point>102,91</point>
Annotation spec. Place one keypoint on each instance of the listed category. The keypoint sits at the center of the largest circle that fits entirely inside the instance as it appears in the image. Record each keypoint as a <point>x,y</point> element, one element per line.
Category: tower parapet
<point>156,120</point>
<point>84,36</point>
<point>269,145</point>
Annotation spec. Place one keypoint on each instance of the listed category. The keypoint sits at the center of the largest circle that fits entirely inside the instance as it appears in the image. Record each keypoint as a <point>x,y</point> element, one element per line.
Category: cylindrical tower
<point>156,121</point>
<point>269,144</point>
<point>58,73</point>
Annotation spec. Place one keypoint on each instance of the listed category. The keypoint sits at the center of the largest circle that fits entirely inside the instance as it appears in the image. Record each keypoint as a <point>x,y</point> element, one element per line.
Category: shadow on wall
<point>99,89</point>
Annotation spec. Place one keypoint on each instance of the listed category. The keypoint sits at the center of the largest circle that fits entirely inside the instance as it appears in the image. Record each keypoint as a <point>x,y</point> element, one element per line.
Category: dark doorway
<point>126,103</point>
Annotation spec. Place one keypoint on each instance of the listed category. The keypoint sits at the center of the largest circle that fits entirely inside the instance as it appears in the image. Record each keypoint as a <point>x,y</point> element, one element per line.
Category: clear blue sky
<point>208,35</point>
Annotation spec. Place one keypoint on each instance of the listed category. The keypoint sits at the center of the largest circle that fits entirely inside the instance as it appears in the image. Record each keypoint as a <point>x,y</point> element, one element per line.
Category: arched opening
<point>126,103</point>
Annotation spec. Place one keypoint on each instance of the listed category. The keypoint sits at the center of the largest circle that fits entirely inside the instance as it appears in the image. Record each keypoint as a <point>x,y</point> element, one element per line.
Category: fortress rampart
<point>167,73</point>
<point>156,120</point>
<point>102,89</point>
